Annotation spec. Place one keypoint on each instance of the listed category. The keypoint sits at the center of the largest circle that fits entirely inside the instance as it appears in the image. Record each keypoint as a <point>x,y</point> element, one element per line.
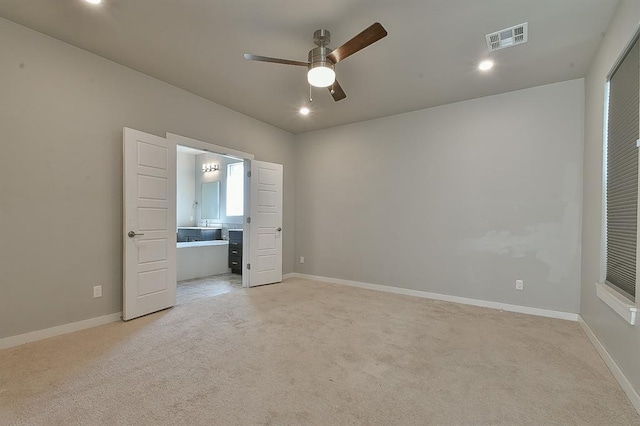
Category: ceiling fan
<point>322,60</point>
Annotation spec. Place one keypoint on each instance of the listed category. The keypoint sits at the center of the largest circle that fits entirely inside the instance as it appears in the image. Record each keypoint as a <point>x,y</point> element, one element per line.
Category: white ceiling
<point>429,57</point>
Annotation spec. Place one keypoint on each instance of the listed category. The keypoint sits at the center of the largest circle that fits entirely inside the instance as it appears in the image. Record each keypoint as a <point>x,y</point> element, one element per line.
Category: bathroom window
<point>235,189</point>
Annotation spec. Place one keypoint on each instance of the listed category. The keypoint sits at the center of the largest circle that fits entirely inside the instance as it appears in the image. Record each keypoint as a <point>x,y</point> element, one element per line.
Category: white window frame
<point>235,190</point>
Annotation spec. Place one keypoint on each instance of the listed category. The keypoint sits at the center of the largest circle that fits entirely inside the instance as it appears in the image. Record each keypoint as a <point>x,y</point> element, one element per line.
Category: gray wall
<point>185,189</point>
<point>62,111</point>
<point>461,199</point>
<point>621,340</point>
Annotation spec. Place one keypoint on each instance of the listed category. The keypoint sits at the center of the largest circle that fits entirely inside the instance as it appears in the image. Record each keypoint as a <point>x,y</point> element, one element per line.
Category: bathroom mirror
<point>210,200</point>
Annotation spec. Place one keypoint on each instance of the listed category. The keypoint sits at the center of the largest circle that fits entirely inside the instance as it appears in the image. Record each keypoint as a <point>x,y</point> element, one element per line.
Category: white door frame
<point>223,150</point>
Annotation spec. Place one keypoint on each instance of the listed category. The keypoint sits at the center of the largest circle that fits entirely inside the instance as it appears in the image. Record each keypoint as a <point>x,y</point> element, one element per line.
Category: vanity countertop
<point>203,243</point>
<point>200,227</point>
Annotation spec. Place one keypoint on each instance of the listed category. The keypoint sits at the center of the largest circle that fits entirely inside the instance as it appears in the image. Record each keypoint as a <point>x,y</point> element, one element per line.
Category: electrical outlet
<point>97,291</point>
<point>301,259</point>
<point>519,285</point>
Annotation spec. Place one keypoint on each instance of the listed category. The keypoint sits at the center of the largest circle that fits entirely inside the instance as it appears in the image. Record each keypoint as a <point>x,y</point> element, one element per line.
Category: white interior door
<point>265,254</point>
<point>149,224</point>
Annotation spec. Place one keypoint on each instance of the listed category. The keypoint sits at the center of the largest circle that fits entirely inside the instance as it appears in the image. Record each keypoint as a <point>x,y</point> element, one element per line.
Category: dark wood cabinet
<point>235,250</point>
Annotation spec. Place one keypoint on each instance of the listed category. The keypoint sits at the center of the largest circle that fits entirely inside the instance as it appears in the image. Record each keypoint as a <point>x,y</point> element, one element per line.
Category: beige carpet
<point>301,353</point>
<point>202,288</point>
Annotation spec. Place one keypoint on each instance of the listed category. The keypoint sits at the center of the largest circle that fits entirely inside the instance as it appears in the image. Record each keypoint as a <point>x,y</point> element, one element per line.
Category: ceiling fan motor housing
<point>318,55</point>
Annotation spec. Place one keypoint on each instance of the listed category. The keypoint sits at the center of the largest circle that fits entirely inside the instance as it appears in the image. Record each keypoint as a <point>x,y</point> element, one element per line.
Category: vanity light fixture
<point>94,1</point>
<point>210,167</point>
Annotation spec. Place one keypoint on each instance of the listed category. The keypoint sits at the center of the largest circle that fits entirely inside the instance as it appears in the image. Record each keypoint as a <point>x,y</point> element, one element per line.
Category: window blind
<point>622,172</point>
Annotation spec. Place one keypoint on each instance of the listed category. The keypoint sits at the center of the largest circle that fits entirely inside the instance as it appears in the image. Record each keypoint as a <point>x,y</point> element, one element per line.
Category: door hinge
<point>249,219</point>
<point>248,266</point>
<point>249,173</point>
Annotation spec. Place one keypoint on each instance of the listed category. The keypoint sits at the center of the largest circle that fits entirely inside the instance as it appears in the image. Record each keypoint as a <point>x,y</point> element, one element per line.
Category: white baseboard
<point>613,367</point>
<point>32,336</point>
<point>445,297</point>
<point>289,275</point>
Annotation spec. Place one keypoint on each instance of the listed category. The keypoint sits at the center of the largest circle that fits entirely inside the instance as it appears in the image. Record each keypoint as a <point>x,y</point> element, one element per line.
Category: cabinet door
<point>235,262</point>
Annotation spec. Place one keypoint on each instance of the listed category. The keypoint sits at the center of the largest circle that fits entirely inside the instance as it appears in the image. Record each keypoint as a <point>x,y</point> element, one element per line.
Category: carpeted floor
<point>308,353</point>
<point>202,288</point>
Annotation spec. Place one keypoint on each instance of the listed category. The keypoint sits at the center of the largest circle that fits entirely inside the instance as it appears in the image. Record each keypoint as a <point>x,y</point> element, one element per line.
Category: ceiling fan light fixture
<point>321,75</point>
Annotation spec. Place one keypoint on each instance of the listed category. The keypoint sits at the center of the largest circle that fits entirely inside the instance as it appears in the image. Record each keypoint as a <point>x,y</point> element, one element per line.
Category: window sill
<point>620,304</point>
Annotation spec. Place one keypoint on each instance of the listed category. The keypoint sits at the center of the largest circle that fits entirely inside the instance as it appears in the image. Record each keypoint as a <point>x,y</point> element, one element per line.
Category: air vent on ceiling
<point>507,37</point>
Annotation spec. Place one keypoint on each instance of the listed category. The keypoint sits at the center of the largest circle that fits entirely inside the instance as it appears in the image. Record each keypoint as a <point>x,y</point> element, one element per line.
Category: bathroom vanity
<point>235,250</point>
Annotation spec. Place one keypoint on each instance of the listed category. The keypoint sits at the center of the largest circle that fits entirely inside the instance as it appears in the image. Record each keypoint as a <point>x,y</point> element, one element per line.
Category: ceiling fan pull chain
<point>310,98</point>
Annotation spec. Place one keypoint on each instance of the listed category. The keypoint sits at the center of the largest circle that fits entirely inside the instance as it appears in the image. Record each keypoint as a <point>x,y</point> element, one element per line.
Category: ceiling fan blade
<point>367,37</point>
<point>336,91</point>
<point>274,60</point>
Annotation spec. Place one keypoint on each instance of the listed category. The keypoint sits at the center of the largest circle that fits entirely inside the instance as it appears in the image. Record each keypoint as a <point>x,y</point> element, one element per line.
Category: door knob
<point>132,234</point>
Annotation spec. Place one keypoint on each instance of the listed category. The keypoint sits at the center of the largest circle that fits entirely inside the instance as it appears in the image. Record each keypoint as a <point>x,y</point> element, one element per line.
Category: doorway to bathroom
<point>248,211</point>
<point>209,223</point>
<point>150,231</point>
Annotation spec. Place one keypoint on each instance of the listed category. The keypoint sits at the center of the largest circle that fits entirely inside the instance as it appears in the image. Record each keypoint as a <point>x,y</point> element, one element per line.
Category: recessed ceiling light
<point>485,65</point>
<point>304,111</point>
<point>94,1</point>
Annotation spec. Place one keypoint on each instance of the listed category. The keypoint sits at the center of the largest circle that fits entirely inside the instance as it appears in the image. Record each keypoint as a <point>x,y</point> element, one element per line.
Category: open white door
<point>149,224</point>
<point>265,254</point>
